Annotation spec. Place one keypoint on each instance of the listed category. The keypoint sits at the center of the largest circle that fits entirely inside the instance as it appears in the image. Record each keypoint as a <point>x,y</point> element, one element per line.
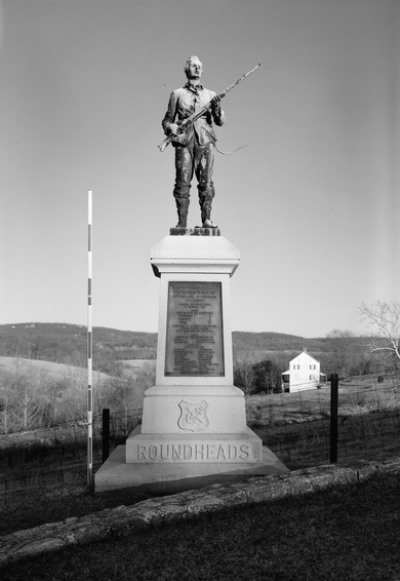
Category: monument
<point>193,429</point>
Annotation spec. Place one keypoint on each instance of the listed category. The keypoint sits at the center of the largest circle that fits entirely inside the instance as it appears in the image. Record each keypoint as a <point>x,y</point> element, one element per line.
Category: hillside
<point>243,341</point>
<point>45,371</point>
<point>43,376</point>
<point>65,343</point>
<point>39,339</point>
<point>36,393</point>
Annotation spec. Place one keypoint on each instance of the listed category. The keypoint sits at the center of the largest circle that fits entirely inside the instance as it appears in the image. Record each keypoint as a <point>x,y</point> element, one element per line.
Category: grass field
<point>26,509</point>
<point>44,370</point>
<point>347,533</point>
<point>350,533</point>
<point>357,396</point>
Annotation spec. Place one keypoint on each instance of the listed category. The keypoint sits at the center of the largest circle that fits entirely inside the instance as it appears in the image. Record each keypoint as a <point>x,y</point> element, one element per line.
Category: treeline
<point>63,343</point>
<point>244,341</point>
<point>53,341</point>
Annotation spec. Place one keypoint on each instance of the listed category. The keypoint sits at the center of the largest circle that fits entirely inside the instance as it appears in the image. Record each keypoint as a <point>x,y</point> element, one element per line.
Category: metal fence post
<point>106,434</point>
<point>334,418</point>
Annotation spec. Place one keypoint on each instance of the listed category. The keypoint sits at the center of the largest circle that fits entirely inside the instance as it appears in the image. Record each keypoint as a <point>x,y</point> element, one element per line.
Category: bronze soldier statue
<point>194,143</point>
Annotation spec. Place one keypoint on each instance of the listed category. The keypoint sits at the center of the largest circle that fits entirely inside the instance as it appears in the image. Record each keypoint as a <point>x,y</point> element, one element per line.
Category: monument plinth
<point>193,428</point>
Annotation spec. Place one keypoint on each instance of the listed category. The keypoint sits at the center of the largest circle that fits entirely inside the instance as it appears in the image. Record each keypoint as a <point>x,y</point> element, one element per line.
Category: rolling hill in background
<point>66,343</point>
<point>60,384</point>
<point>44,366</point>
<point>280,342</point>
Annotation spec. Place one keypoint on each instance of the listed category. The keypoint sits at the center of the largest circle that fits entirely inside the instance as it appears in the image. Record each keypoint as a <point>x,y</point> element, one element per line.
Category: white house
<point>304,373</point>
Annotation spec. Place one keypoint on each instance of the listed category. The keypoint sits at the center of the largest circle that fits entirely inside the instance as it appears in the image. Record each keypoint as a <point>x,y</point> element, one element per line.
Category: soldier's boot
<point>182,207</point>
<point>206,215</point>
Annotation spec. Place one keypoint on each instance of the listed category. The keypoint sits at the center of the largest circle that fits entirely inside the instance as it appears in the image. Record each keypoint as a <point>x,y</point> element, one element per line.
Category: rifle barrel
<point>242,78</point>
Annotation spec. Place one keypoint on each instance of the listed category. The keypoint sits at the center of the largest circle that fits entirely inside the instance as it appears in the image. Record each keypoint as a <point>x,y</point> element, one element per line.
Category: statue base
<point>193,430</point>
<point>181,231</point>
<point>200,231</point>
<point>170,478</point>
<point>197,231</point>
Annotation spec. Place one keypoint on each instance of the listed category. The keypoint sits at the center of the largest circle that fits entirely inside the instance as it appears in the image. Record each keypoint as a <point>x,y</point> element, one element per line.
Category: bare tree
<point>5,409</point>
<point>383,321</point>
<point>346,354</point>
<point>243,372</point>
<point>31,409</point>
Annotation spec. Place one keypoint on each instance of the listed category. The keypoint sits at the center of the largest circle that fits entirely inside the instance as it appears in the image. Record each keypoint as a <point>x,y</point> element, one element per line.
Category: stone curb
<point>121,521</point>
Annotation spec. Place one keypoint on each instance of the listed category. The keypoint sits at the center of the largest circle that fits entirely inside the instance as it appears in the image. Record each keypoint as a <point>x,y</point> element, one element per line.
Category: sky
<point>311,202</point>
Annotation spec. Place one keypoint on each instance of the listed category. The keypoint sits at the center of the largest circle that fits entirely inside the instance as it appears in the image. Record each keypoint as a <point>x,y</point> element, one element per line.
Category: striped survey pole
<point>90,476</point>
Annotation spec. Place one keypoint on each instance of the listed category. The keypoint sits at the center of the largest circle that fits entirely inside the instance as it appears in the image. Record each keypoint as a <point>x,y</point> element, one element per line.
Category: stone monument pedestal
<point>193,428</point>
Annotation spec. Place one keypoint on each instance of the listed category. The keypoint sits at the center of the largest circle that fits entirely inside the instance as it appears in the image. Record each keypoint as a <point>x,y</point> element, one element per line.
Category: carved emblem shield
<point>193,416</point>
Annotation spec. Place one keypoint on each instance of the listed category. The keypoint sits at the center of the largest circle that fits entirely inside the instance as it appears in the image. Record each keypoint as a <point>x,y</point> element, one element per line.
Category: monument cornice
<point>193,254</point>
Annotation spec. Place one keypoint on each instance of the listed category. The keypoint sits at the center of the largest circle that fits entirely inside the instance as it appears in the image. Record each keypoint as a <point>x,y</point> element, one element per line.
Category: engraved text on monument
<point>194,345</point>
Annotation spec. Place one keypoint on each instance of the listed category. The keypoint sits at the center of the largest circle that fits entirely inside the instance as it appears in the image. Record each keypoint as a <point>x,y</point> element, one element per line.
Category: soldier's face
<point>195,69</point>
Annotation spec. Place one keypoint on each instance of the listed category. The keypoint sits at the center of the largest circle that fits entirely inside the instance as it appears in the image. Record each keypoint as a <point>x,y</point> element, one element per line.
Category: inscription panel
<point>194,341</point>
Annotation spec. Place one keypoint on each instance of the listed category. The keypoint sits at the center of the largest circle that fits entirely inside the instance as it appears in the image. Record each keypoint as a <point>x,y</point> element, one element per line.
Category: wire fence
<point>58,456</point>
<point>296,426</point>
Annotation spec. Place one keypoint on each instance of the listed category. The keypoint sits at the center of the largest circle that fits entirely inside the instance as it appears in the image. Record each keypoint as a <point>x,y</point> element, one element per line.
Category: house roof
<point>304,353</point>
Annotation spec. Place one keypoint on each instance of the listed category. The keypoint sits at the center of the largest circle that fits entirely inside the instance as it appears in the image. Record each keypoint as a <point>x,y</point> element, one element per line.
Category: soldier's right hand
<point>174,128</point>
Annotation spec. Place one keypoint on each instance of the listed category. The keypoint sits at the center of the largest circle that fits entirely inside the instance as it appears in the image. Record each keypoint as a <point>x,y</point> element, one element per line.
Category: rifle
<point>197,114</point>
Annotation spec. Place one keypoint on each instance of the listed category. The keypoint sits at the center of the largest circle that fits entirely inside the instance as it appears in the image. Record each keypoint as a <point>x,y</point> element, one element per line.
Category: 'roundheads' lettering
<point>193,452</point>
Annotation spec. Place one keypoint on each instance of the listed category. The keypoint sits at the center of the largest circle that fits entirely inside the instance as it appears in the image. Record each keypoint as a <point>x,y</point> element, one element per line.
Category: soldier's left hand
<point>216,104</point>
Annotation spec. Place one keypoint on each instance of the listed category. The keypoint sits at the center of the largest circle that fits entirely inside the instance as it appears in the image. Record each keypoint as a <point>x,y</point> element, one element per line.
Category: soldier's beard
<point>193,76</point>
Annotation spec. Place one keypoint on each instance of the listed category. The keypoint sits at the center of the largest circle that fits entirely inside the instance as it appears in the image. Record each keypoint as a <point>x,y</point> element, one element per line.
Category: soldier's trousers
<point>191,160</point>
